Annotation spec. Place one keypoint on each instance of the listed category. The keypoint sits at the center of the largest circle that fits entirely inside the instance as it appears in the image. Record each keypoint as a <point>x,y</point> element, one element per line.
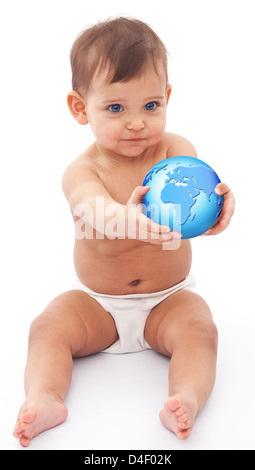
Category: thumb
<point>137,195</point>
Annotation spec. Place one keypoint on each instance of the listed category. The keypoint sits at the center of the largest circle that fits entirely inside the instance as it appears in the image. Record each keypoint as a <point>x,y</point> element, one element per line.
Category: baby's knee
<point>205,331</point>
<point>53,320</point>
<point>60,323</point>
<point>40,326</point>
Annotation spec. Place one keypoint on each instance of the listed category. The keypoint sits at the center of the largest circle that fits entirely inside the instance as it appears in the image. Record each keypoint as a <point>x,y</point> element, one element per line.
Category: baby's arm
<point>85,192</point>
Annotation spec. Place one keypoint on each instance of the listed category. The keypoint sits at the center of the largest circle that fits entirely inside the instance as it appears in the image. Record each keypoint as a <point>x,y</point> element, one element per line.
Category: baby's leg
<point>72,325</point>
<point>182,327</point>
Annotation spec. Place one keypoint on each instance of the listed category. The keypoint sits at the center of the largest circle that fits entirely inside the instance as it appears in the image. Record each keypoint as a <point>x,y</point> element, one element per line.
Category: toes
<point>175,418</point>
<point>23,421</point>
<point>183,418</point>
<point>183,425</point>
<point>18,429</point>
<point>184,434</point>
<point>179,412</point>
<point>27,418</point>
<point>173,403</point>
<point>24,441</point>
<point>17,433</point>
<point>21,427</point>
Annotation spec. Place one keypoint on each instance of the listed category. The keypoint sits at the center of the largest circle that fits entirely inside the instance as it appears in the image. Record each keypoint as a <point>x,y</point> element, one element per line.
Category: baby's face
<point>128,117</point>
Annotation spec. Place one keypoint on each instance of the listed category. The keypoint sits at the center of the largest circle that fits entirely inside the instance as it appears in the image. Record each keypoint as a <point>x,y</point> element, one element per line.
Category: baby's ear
<point>77,107</point>
<point>168,92</point>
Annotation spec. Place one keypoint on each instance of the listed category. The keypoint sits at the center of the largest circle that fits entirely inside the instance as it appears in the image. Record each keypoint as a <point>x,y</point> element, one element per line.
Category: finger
<point>163,239</point>
<point>155,233</point>
<point>228,209</point>
<point>137,195</point>
<point>222,188</point>
<point>220,225</point>
<point>149,225</point>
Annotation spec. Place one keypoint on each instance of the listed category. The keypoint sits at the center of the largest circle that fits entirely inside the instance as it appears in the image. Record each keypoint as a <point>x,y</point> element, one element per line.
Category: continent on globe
<point>182,195</point>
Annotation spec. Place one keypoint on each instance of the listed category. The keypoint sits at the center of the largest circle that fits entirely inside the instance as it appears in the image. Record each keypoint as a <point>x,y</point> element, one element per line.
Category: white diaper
<point>130,313</point>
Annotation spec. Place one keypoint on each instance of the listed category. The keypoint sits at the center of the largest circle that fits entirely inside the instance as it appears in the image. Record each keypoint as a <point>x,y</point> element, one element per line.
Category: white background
<point>114,400</point>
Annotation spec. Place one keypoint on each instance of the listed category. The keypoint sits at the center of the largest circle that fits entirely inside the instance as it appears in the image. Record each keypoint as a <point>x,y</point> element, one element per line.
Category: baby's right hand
<point>141,227</point>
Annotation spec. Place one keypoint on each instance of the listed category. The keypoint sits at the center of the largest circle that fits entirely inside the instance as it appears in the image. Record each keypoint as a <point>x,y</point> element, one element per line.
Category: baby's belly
<point>129,267</point>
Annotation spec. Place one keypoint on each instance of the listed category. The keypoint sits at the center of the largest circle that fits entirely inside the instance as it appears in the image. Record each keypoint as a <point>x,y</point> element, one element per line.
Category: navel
<point>135,282</point>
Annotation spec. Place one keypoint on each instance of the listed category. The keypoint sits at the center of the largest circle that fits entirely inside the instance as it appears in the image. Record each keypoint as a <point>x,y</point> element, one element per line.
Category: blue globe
<point>182,195</point>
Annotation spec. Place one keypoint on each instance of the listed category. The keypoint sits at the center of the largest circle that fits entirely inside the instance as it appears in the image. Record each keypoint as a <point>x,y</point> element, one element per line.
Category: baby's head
<point>122,48</point>
<point>120,86</point>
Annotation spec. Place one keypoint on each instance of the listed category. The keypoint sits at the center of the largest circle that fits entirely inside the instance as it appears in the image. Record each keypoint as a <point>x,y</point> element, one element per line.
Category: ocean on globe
<point>182,195</point>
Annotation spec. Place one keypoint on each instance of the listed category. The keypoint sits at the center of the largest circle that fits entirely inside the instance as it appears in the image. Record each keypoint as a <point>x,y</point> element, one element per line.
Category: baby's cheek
<point>158,130</point>
<point>105,134</point>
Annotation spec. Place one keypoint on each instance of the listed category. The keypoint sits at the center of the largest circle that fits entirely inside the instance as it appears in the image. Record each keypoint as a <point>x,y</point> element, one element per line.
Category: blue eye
<point>150,106</point>
<point>115,108</point>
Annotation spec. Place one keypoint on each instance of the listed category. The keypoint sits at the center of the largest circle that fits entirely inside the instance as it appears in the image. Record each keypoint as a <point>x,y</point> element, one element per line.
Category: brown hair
<point>125,46</point>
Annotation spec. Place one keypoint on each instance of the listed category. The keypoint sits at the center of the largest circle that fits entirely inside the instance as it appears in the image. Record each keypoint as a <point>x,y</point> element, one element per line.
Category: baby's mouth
<point>135,139</point>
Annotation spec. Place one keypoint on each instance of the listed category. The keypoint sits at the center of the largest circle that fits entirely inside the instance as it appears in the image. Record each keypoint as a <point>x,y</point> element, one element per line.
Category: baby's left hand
<point>227,211</point>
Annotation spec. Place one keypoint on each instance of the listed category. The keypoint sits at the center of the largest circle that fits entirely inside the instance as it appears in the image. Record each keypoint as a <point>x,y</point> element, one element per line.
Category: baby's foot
<point>177,418</point>
<point>36,415</point>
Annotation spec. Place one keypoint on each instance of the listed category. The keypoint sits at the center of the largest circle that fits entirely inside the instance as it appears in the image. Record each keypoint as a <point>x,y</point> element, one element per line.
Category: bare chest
<point>121,182</point>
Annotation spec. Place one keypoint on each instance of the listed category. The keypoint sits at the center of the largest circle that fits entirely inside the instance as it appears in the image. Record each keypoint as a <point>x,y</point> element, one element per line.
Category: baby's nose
<point>135,124</point>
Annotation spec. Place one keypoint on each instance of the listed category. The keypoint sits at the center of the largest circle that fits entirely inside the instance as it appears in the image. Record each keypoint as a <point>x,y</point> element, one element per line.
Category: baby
<point>134,288</point>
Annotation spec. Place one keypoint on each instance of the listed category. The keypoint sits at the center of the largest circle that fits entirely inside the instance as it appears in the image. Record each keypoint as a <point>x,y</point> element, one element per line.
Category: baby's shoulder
<point>81,169</point>
<point>83,162</point>
<point>176,145</point>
